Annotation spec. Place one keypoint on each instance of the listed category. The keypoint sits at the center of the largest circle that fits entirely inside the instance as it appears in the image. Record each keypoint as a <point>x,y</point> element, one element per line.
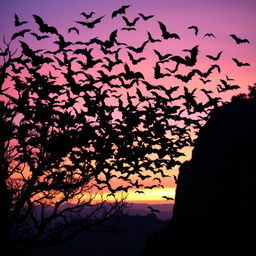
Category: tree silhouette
<point>78,119</point>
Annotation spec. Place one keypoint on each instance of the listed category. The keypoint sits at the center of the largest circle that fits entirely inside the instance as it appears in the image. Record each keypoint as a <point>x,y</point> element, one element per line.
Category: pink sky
<point>221,17</point>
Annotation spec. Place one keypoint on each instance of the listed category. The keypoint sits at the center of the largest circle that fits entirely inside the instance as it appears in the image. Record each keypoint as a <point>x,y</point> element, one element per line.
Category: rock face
<point>215,206</point>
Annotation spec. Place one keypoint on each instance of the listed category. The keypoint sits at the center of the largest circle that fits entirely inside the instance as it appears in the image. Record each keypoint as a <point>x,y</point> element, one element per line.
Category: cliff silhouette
<point>215,205</point>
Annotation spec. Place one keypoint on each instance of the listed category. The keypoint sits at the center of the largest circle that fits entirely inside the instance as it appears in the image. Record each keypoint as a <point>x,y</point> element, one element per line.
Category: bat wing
<point>39,20</point>
<point>162,27</point>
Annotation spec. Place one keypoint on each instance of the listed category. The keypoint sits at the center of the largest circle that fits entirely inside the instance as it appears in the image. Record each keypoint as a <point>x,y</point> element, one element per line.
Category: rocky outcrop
<point>215,206</point>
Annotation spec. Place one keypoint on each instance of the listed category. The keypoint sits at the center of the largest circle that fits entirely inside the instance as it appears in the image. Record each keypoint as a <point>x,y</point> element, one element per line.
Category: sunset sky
<point>220,17</point>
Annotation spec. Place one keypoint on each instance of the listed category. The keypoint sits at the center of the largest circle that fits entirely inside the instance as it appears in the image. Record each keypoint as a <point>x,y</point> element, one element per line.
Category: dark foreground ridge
<point>215,207</point>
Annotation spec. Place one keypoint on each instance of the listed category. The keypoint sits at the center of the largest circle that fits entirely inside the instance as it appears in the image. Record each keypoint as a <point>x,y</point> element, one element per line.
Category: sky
<point>220,17</point>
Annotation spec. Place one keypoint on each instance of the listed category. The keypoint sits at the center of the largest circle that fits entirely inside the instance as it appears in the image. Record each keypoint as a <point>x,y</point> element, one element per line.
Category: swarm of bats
<point>155,107</point>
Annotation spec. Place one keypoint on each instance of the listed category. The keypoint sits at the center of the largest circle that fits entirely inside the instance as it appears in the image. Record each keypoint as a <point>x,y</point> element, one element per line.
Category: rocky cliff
<point>215,206</point>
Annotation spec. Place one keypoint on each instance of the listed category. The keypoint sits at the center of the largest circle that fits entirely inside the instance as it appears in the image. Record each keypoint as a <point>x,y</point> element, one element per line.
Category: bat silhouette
<point>165,34</point>
<point>238,40</point>
<point>130,23</point>
<point>151,39</point>
<point>195,29</point>
<point>17,21</point>
<point>226,87</point>
<point>229,79</point>
<point>145,17</point>
<point>128,29</point>
<point>162,57</point>
<point>135,61</point>
<point>214,58</point>
<point>205,81</point>
<point>139,49</point>
<point>209,35</point>
<point>167,198</point>
<point>153,209</point>
<point>38,37</point>
<point>188,77</point>
<point>20,33</point>
<point>73,29</point>
<point>130,74</point>
<point>139,192</point>
<point>43,27</point>
<point>157,72</point>
<point>239,63</point>
<point>87,16</point>
<point>121,10</point>
<point>91,24</point>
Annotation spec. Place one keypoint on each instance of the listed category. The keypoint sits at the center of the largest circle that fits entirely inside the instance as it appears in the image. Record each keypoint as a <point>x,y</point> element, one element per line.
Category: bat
<point>139,192</point>
<point>130,23</point>
<point>186,78</point>
<point>153,210</point>
<point>91,24</point>
<point>162,57</point>
<point>43,27</point>
<point>229,79</point>
<point>209,35</point>
<point>157,72</point>
<point>17,22</point>
<point>20,33</point>
<point>87,16</point>
<point>214,58</point>
<point>239,40</point>
<point>205,81</point>
<point>167,198</point>
<point>73,29</point>
<point>38,37</point>
<point>128,29</point>
<point>121,10</point>
<point>146,17</point>
<point>151,39</point>
<point>195,28</point>
<point>240,64</point>
<point>135,61</point>
<point>139,49</point>
<point>165,34</point>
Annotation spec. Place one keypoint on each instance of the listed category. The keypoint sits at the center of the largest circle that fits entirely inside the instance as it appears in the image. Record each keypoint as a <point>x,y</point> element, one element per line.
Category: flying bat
<point>239,63</point>
<point>73,29</point>
<point>87,16</point>
<point>20,33</point>
<point>151,39</point>
<point>145,17</point>
<point>38,37</point>
<point>153,210</point>
<point>17,22</point>
<point>139,49</point>
<point>133,60</point>
<point>121,10</point>
<point>167,198</point>
<point>214,58</point>
<point>239,40</point>
<point>209,35</point>
<point>165,34</point>
<point>195,28</point>
<point>128,28</point>
<point>130,23</point>
<point>139,192</point>
<point>157,72</point>
<point>43,27</point>
<point>188,77</point>
<point>91,24</point>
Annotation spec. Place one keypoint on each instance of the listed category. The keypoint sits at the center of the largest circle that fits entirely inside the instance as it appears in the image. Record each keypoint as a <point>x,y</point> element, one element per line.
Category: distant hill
<point>128,238</point>
<point>143,210</point>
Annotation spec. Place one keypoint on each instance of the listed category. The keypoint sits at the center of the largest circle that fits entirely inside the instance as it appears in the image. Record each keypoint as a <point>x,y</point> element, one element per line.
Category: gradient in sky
<point>221,17</point>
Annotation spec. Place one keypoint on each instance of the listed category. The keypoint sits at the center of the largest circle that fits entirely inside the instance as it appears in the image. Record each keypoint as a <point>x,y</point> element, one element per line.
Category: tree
<point>69,129</point>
